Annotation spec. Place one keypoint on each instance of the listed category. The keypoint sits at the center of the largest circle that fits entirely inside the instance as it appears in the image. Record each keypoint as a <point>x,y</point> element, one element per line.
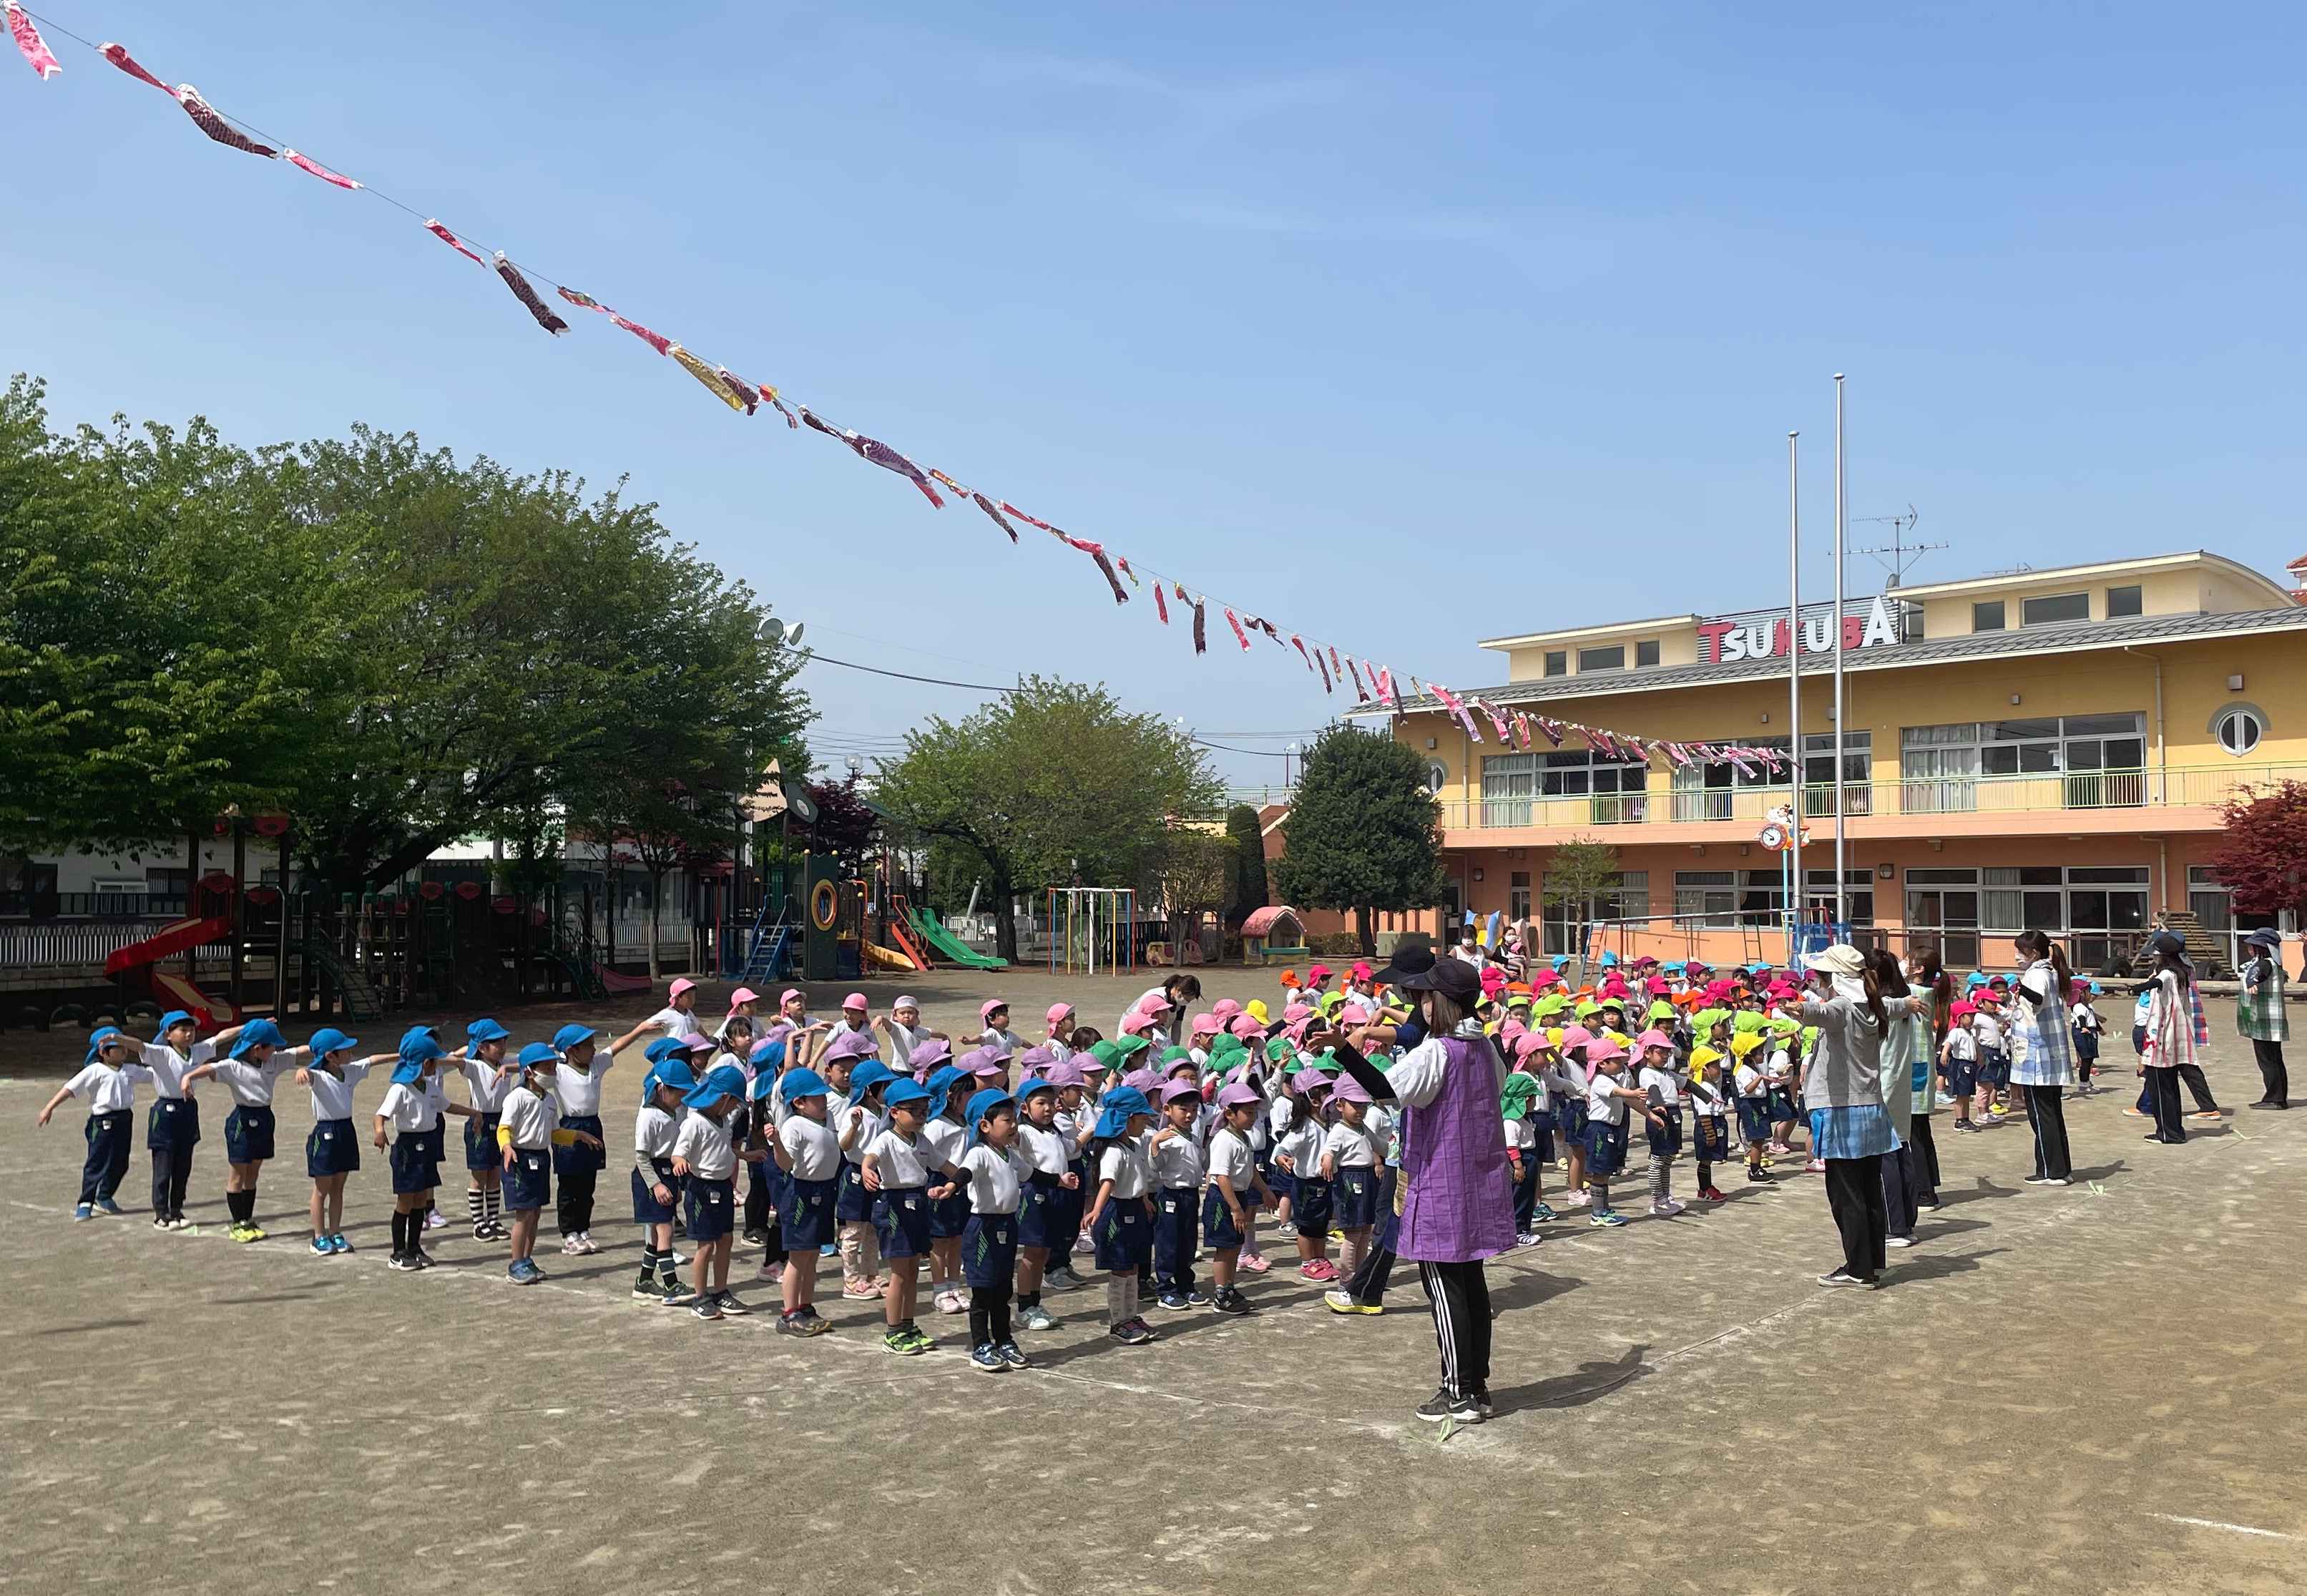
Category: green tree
<point>1578,872</point>
<point>1196,875</point>
<point>1048,782</point>
<point>1249,893</point>
<point>1363,834</point>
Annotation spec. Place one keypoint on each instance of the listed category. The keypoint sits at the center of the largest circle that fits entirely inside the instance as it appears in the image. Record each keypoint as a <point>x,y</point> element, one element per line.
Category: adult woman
<point>1453,1174</point>
<point>2171,1035</point>
<point>1906,1095</point>
<point>2260,1018</point>
<point>2043,1074</point>
<point>1175,994</point>
<point>1842,1092</point>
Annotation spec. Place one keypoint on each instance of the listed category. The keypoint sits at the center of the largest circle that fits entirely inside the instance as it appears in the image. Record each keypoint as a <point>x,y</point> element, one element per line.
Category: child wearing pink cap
<point>994,1029</point>
<point>1662,1091</point>
<point>1235,1194</point>
<point>903,1027</point>
<point>1297,1154</point>
<point>1351,1155</point>
<point>1606,1097</point>
<point>678,1017</point>
<point>1570,1117</point>
<point>1058,1024</point>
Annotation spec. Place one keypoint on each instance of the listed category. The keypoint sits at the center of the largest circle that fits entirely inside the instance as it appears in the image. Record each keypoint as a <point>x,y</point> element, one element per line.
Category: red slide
<point>174,990</point>
<point>903,936</point>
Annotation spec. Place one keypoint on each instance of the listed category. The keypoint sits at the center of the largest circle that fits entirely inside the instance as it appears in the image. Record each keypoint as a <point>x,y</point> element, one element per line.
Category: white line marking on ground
<point>2213,1523</point>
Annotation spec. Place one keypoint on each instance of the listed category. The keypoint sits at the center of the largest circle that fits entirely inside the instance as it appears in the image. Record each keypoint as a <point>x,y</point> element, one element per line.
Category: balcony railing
<point>2191,786</point>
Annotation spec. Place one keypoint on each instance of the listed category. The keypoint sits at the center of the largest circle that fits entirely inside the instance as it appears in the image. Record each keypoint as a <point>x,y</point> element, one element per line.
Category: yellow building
<point>2031,749</point>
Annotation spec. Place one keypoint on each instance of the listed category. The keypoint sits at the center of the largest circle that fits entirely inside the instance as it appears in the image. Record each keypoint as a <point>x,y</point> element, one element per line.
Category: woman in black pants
<point>2048,1069</point>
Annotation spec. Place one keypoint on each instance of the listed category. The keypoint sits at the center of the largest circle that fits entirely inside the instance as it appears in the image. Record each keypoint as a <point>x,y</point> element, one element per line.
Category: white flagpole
<point>1841,524</point>
<point>1794,700</point>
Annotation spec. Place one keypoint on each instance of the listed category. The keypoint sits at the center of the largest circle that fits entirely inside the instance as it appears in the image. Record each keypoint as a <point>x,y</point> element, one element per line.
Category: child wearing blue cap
<point>1122,1217</point>
<point>1176,1151</point>
<point>332,1146</point>
<point>943,1137</point>
<point>489,1074</point>
<point>173,1127</point>
<point>259,1054</point>
<point>108,1078</point>
<point>576,1087</point>
<point>896,1170</point>
<point>994,1172</point>
<point>656,1189</point>
<point>808,1156</point>
<point>529,1131</point>
<point>1051,1192</point>
<point>859,1122</point>
<point>411,1110</point>
<point>704,1153</point>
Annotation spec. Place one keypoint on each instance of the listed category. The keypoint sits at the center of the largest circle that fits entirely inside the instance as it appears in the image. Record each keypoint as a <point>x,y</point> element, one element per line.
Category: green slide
<point>948,947</point>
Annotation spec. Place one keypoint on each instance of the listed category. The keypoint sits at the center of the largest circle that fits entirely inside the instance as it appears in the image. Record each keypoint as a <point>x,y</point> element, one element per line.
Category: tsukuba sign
<point>1720,642</point>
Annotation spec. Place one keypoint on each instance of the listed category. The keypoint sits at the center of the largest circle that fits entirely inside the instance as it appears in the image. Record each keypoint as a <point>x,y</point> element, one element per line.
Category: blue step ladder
<point>765,952</point>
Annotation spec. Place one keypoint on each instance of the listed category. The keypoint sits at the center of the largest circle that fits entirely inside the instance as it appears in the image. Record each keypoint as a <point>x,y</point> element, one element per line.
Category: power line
<point>909,676</point>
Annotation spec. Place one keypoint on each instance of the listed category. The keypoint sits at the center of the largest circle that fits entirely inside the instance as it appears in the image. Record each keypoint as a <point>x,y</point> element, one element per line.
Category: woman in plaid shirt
<point>2260,1016</point>
<point>2039,1013</point>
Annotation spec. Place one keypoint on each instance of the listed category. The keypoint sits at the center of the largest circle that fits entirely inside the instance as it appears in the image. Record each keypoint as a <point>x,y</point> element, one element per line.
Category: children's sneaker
<point>1898,1241</point>
<point>1542,1213</point>
<point>243,1233</point>
<point>107,1206</point>
<point>828,1250</point>
<point>860,1291</point>
<point>706,1307</point>
<point>1230,1301</point>
<point>1757,1174</point>
<point>1085,1244</point>
<point>524,1273</point>
<point>1134,1333</point>
<point>647,1290</point>
<point>674,1294</point>
<point>568,1248</point>
<point>585,1244</point>
<point>418,1259</point>
<point>1580,1198</point>
<point>1067,1278</point>
<point>337,1244</point>
<point>987,1360</point>
<point>434,1220</point>
<point>1320,1269</point>
<point>732,1304</point>
<point>1256,1263</point>
<point>83,1211</point>
<point>1606,1218</point>
<point>901,1342</point>
<point>321,1248</point>
<point>755,1236</point>
<point>1443,1407</point>
<point>1196,1299</point>
<point>950,1301</point>
<point>1009,1355</point>
<point>1665,1210</point>
<point>1175,1301</point>
<point>1036,1317</point>
<point>1817,1166</point>
<point>1345,1302</point>
<point>399,1261</point>
<point>1528,1238</point>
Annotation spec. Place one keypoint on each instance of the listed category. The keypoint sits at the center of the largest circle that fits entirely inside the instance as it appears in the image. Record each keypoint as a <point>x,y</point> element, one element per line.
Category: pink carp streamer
<point>452,241</point>
<point>119,57</point>
<point>31,45</point>
<point>205,118</point>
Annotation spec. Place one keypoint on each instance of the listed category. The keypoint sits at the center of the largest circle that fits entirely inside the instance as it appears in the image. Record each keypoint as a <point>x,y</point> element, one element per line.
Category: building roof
<point>2021,643</point>
<point>2093,570</point>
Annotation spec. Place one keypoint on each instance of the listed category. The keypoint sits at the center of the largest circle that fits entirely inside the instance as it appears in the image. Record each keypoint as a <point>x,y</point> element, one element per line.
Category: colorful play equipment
<point>1092,929</point>
<point>898,925</point>
<point>887,958</point>
<point>1274,931</point>
<point>172,990</point>
<point>948,947</point>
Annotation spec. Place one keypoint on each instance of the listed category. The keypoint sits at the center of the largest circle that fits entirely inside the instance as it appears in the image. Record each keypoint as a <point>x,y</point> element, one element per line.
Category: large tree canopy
<point>1363,832</point>
<point>2262,853</point>
<point>398,650</point>
<point>1048,782</point>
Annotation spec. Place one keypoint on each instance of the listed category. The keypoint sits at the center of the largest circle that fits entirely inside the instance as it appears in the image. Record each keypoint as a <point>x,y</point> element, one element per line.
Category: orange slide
<point>175,991</point>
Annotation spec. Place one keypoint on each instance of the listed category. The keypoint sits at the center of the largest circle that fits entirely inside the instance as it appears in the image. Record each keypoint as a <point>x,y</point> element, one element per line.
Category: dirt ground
<point>2095,1389</point>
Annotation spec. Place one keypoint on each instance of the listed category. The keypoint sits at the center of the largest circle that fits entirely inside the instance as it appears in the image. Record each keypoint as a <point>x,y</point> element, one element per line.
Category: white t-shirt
<point>703,1143</point>
<point>1230,1156</point>
<point>531,1118</point>
<point>1126,1165</point>
<point>332,1099</point>
<point>867,1124</point>
<point>249,1085</point>
<point>1301,1143</point>
<point>654,1131</point>
<point>1988,1030</point>
<point>940,1141</point>
<point>2085,1017</point>
<point>407,1108</point>
<point>1354,1148</point>
<point>1603,1101</point>
<point>1747,1080</point>
<point>1521,1133</point>
<point>1178,1161</point>
<point>168,1067</point>
<point>1662,1085</point>
<point>676,1022</point>
<point>1709,1100</point>
<point>815,1151</point>
<point>996,1178</point>
<point>1048,1152</point>
<point>580,1090</point>
<point>898,1158</point>
<point>107,1089</point>
<point>485,1086</point>
<point>1004,1043</point>
<point>1961,1044</point>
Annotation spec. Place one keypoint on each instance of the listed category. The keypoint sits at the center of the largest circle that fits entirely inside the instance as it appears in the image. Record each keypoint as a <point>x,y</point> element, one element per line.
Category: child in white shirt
<point>108,1078</point>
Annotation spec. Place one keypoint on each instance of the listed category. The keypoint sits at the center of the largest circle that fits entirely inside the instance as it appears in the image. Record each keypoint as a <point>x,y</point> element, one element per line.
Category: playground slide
<point>165,942</point>
<point>948,947</point>
<point>888,959</point>
<point>908,945</point>
<point>176,992</point>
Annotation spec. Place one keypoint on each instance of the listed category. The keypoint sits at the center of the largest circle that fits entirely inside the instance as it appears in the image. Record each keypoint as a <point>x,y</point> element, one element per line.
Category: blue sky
<point>1410,326</point>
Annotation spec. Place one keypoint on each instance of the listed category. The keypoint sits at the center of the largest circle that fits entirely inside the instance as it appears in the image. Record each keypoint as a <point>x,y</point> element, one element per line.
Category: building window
<point>1646,654</point>
<point>1986,617</point>
<point>1509,781</point>
<point>2100,761</point>
<point>2125,601</point>
<point>1628,898</point>
<point>1709,896</point>
<point>1612,658</point>
<point>1858,893</point>
<point>1614,789</point>
<point>1518,896</point>
<point>1557,661</point>
<point>2053,608</point>
<point>2238,727</point>
<point>1857,770</point>
<point>1437,776</point>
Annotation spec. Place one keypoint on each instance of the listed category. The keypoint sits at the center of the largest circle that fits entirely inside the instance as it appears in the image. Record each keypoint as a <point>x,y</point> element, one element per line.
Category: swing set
<point>1092,929</point>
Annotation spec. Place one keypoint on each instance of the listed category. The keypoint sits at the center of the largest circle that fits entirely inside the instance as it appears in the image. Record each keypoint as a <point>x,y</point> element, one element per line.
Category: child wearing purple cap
<point>1236,1192</point>
<point>1350,1157</point>
<point>1178,1167</point>
<point>1297,1154</point>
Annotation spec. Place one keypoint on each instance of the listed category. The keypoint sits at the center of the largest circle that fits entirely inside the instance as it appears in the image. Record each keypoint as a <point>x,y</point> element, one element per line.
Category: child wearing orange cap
<point>1662,1093</point>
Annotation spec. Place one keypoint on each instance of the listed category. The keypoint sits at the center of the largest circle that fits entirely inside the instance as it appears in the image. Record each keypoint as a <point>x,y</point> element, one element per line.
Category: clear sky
<point>1410,325</point>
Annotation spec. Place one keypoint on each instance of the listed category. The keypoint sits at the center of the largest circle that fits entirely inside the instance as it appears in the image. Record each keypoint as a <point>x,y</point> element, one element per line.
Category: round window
<point>1437,776</point>
<point>2240,730</point>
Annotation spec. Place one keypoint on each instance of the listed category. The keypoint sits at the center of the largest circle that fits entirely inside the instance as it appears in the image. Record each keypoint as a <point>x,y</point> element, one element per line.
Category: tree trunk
<point>656,908</point>
<point>1362,929</point>
<point>1005,918</point>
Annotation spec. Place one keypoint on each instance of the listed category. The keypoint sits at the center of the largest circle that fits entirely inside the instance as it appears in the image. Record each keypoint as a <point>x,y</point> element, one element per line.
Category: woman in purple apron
<point>1453,1171</point>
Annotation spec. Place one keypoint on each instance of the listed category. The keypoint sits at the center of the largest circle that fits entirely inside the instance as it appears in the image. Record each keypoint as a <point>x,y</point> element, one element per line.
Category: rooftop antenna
<point>1901,555</point>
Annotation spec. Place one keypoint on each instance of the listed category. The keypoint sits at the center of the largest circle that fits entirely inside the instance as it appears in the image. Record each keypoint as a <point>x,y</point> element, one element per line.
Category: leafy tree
<point>1364,834</point>
<point>847,826</point>
<point>2261,855</point>
<point>1248,891</point>
<point>1049,781</point>
<point>1195,875</point>
<point>1577,873</point>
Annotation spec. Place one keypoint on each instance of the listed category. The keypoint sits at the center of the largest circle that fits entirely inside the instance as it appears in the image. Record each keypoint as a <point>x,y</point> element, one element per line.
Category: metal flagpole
<point>1841,886</point>
<point>1793,701</point>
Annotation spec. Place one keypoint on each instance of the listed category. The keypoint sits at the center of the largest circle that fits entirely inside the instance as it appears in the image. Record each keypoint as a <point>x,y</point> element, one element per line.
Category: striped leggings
<point>1459,1294</point>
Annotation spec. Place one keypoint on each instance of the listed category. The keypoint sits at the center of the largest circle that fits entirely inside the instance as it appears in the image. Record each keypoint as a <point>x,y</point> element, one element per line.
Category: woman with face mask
<point>1843,1094</point>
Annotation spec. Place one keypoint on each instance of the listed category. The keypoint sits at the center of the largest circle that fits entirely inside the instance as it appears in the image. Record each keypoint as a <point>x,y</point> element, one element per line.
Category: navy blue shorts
<point>580,1157</point>
<point>332,1148</point>
<point>949,1216</point>
<point>989,1250</point>
<point>1309,1205</point>
<point>1755,1119</point>
<point>2138,1040</point>
<point>1571,1117</point>
<point>1666,1140</point>
<point>901,1221</point>
<point>712,1208</point>
<point>1962,1076</point>
<point>805,1213</point>
<point>1994,1066</point>
<point>1782,1105</point>
<point>481,1149</point>
<point>1283,1186</point>
<point>174,1124</point>
<point>1124,1236</point>
<point>851,1200</point>
<point>413,1167</point>
<point>1606,1148</point>
<point>2086,1045</point>
<point>1357,1198</point>
<point>248,1135</point>
<point>528,1184</point>
<point>647,1209</point>
<point>1041,1212</point>
<point>1710,1138</point>
<point>1218,1227</point>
